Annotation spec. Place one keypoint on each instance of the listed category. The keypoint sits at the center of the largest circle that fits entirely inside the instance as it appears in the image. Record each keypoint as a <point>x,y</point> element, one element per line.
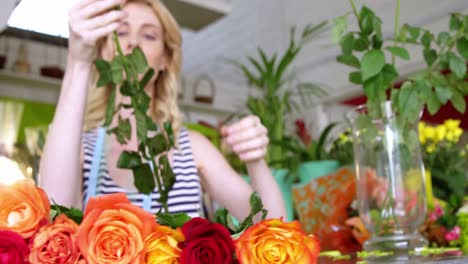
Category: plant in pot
<point>305,157</point>
<point>390,172</point>
<point>267,75</point>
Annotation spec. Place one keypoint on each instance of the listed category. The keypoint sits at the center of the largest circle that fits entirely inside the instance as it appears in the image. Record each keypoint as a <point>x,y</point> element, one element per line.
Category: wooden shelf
<point>29,78</point>
<point>34,81</point>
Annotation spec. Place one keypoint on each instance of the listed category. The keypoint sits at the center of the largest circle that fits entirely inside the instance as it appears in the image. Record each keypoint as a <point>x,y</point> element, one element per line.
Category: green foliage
<point>149,164</point>
<point>72,213</point>
<point>297,151</point>
<point>448,49</point>
<point>223,217</point>
<point>267,74</point>
<point>173,220</point>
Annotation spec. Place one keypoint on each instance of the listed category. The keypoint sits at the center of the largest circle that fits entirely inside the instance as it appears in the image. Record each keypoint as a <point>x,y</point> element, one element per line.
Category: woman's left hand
<point>248,138</point>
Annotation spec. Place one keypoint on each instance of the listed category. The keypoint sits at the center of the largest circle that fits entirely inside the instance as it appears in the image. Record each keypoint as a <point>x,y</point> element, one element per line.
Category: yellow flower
<point>162,246</point>
<point>430,148</point>
<point>421,127</point>
<point>452,124</point>
<point>429,133</point>
<point>441,131</point>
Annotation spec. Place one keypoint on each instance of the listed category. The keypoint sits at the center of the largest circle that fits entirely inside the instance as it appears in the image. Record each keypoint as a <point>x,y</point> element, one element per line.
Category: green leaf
<point>127,89</point>
<point>256,206</point>
<point>340,24</point>
<point>372,63</point>
<point>172,220</point>
<point>462,47</point>
<point>117,70</point>
<point>141,127</point>
<point>458,101</point>
<point>221,216</point>
<point>72,213</point>
<point>105,73</point>
<point>377,42</point>
<point>408,102</point>
<point>399,52</point>
<point>158,144</point>
<point>414,32</point>
<point>390,73</point>
<point>169,132</point>
<point>355,77</point>
<point>443,38</point>
<point>426,39</point>
<point>110,106</point>
<point>433,104</point>
<point>438,79</point>
<point>168,178</point>
<point>123,131</point>
<point>457,66</point>
<point>142,101</point>
<point>146,78</point>
<point>138,59</point>
<point>128,160</point>
<point>143,178</point>
<point>424,90</point>
<point>366,20</point>
<point>430,55</point>
<point>361,44</point>
<point>455,23</point>
<point>346,43</point>
<point>374,88</point>
<point>349,60</point>
<point>443,94</point>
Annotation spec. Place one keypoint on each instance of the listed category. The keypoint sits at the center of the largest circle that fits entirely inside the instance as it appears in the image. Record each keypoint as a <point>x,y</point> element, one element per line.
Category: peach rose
<point>161,247</point>
<point>23,208</point>
<point>113,230</point>
<point>55,243</point>
<point>274,241</point>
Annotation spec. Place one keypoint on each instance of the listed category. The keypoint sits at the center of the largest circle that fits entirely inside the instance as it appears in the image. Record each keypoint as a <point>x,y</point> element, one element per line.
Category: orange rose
<point>23,208</point>
<point>273,241</point>
<point>113,230</point>
<point>55,243</point>
<point>162,246</point>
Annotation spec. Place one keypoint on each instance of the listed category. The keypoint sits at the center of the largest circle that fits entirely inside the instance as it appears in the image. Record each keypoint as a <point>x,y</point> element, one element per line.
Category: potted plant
<point>386,147</point>
<point>307,158</point>
<point>267,75</point>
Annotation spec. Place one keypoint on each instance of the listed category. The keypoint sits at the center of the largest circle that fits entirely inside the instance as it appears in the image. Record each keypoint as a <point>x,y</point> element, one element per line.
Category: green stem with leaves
<point>353,5</point>
<point>132,73</point>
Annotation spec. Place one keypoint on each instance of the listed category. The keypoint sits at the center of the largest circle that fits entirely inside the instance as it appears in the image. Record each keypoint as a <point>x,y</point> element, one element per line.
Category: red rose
<point>206,242</point>
<point>13,248</point>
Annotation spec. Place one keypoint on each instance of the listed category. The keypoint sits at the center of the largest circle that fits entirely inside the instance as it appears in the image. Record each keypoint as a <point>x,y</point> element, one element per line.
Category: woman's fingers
<point>104,20</point>
<point>95,8</point>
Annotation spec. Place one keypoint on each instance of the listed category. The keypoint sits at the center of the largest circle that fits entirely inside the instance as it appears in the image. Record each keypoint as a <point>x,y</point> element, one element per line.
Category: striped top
<point>185,196</point>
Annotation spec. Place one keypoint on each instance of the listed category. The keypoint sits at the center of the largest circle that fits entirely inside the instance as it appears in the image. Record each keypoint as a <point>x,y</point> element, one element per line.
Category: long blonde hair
<point>164,98</point>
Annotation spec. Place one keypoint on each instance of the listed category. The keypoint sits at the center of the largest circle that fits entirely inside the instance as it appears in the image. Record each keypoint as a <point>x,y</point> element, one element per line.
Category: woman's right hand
<point>89,21</point>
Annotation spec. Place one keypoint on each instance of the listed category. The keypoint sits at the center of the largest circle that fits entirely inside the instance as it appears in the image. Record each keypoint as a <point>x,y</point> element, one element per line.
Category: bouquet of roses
<point>112,230</point>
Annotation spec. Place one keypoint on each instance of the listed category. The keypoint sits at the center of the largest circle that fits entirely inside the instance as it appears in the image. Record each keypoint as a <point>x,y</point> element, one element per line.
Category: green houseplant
<point>386,147</point>
<point>268,75</point>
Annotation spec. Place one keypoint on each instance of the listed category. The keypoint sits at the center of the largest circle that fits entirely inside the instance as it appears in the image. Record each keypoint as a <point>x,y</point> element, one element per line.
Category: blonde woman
<point>80,163</point>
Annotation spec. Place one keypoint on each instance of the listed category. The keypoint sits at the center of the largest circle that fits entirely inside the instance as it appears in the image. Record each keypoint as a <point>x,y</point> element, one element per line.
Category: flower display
<point>273,241</point>
<point>113,230</point>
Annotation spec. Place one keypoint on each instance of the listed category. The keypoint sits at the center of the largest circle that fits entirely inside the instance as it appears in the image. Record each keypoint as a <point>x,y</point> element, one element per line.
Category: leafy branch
<point>364,51</point>
<point>149,164</point>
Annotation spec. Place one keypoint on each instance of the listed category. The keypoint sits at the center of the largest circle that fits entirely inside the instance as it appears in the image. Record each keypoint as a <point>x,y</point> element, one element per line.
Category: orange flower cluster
<point>115,231</point>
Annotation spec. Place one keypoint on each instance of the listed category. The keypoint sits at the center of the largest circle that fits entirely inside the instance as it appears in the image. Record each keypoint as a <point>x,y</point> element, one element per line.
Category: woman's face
<point>141,28</point>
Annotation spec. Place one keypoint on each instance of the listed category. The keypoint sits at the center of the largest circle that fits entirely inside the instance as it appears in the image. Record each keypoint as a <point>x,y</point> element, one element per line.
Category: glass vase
<point>390,179</point>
